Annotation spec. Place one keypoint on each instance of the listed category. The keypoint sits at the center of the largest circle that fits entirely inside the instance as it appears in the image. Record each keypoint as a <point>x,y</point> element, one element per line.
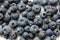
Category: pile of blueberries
<point>19,18</point>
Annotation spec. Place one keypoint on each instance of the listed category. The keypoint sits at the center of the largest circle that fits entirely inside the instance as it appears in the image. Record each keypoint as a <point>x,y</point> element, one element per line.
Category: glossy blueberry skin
<point>22,21</point>
<point>6,5</point>
<point>19,30</point>
<point>47,38</point>
<point>1,30</point>
<point>45,27</point>
<point>13,35</point>
<point>53,37</point>
<point>13,24</point>
<point>24,1</point>
<point>14,9</point>
<point>37,38</point>
<point>34,29</point>
<point>29,8</point>
<point>49,32</point>
<point>38,21</point>
<point>25,35</point>
<point>53,2</point>
<point>52,25</point>
<point>27,28</point>
<point>36,8</point>
<point>46,21</point>
<point>58,14</point>
<point>30,3</point>
<point>6,30</point>
<point>35,1</point>
<point>42,34</point>
<point>24,13</point>
<point>1,17</point>
<point>22,38</point>
<point>57,32</point>
<point>31,35</point>
<point>58,22</point>
<point>43,14</point>
<point>2,11</point>
<point>7,18</point>
<point>21,6</point>
<point>44,2</point>
<point>31,15</point>
<point>55,17</point>
<point>15,16</point>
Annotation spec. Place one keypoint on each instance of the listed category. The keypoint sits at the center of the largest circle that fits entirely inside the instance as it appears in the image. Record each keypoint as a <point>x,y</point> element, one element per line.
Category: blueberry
<point>30,3</point>
<point>38,21</point>
<point>53,2</point>
<point>49,32</point>
<point>19,30</point>
<point>1,30</point>
<point>1,17</point>
<point>22,21</point>
<point>27,28</point>
<point>13,35</point>
<point>25,35</point>
<point>9,39</point>
<point>34,29</point>
<point>42,34</point>
<point>37,38</point>
<point>3,24</point>
<point>36,8</point>
<point>9,12</point>
<point>30,23</point>
<point>24,1</point>
<point>53,37</point>
<point>45,27</point>
<point>43,3</point>
<point>16,1</point>
<point>52,25</point>
<point>31,15</point>
<point>55,17</point>
<point>46,21</point>
<point>7,18</point>
<point>6,5</point>
<point>57,32</point>
<point>22,38</point>
<point>13,23</point>
<point>35,1</point>
<point>13,9</point>
<point>21,6</point>
<point>43,15</point>
<point>11,1</point>
<point>29,8</point>
<point>7,29</point>
<point>2,11</point>
<point>24,13</point>
<point>31,35</point>
<point>15,16</point>
<point>51,10</point>
<point>47,38</point>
